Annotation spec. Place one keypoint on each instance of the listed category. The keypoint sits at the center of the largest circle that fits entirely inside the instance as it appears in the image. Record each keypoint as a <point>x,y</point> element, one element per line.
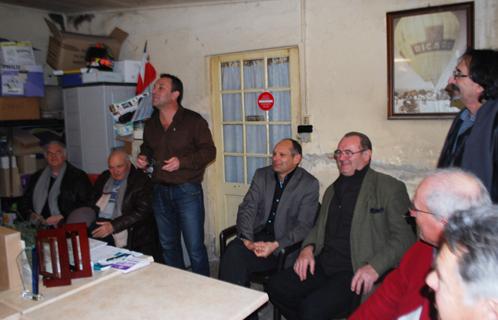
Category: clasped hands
<point>261,249</point>
<point>170,165</point>
<point>363,279</point>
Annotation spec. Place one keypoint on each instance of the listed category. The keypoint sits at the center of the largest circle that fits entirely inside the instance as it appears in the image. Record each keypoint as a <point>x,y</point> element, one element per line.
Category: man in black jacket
<point>53,193</point>
<point>123,197</point>
<point>472,141</point>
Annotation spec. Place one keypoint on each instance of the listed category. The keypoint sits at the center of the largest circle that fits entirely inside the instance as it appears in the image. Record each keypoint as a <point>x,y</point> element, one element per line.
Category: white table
<point>154,292</point>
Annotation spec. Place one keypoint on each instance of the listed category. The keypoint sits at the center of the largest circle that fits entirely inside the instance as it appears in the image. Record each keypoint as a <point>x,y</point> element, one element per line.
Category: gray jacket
<point>296,211</point>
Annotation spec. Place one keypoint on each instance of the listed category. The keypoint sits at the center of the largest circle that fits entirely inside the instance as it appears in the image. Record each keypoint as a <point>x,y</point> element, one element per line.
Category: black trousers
<point>238,263</point>
<point>320,296</point>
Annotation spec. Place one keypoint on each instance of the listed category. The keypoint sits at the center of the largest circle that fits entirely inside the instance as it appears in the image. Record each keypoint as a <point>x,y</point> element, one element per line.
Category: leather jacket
<point>137,216</point>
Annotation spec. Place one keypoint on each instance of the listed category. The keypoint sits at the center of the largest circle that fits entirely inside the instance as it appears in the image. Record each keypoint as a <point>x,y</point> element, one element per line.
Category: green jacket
<point>380,234</point>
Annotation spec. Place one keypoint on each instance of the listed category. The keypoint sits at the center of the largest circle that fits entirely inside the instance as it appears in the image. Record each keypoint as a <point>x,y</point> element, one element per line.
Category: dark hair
<point>296,147</point>
<point>365,142</point>
<point>483,70</point>
<point>176,85</point>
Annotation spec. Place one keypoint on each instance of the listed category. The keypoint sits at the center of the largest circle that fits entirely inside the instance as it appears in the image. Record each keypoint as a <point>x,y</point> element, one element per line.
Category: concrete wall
<point>343,67</point>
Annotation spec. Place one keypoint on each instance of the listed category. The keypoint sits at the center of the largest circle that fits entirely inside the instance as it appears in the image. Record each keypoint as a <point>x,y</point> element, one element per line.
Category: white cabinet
<point>89,124</point>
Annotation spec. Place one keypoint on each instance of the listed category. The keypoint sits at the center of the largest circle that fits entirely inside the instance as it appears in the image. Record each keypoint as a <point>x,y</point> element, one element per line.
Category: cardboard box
<point>10,188</point>
<point>22,80</point>
<point>19,108</point>
<point>101,76</point>
<point>16,53</point>
<point>10,247</point>
<point>27,164</point>
<point>66,50</point>
<point>129,69</point>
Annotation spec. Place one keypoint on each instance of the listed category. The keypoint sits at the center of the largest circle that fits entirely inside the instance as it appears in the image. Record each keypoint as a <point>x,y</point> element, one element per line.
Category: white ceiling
<point>74,6</point>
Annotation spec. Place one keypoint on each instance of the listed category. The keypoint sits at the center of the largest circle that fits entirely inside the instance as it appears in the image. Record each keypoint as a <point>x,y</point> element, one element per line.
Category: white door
<point>244,134</point>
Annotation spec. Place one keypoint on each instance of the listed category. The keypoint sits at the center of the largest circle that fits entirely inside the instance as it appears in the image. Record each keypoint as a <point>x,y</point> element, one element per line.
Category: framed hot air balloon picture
<point>423,48</point>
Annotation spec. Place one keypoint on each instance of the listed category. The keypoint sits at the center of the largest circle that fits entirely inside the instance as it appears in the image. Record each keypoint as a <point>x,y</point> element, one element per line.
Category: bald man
<point>123,197</point>
<point>438,197</point>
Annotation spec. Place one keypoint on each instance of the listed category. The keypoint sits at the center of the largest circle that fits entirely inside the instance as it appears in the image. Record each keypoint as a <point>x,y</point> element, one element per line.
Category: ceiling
<point>74,6</point>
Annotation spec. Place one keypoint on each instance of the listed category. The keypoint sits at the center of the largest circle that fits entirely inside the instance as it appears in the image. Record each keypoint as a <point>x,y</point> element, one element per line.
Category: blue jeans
<point>179,209</point>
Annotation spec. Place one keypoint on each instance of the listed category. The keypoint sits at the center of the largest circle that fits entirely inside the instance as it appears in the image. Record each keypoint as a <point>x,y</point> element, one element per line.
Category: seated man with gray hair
<point>465,279</point>
<point>58,191</point>
<point>403,294</point>
<point>123,198</point>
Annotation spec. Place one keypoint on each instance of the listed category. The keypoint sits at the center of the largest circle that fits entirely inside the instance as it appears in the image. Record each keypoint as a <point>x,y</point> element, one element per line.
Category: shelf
<point>32,123</point>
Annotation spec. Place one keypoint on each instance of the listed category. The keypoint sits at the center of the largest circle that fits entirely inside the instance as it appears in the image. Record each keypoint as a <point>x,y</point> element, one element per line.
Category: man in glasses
<point>360,234</point>
<point>472,142</point>
<point>436,199</point>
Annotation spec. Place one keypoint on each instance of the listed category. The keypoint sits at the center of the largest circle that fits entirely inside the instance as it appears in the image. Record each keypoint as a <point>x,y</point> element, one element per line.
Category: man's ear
<point>175,94</point>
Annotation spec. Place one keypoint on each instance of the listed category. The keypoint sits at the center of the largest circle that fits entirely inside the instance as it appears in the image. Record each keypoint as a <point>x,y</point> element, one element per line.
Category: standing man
<point>123,195</point>
<point>179,146</point>
<point>437,198</point>
<point>278,210</point>
<point>360,234</point>
<point>472,141</point>
<point>53,193</point>
<point>465,279</point>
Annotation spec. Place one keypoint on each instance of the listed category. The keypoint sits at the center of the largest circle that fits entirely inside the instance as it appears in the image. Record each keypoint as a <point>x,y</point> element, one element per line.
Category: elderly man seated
<point>56,192</point>
<point>403,293</point>
<point>123,198</point>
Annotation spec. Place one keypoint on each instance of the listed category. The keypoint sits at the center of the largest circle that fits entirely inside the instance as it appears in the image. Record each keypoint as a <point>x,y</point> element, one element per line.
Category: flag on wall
<point>145,82</point>
<point>147,73</point>
<point>137,108</point>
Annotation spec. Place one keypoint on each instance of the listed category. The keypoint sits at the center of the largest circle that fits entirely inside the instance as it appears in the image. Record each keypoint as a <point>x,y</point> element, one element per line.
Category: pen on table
<point>117,256</point>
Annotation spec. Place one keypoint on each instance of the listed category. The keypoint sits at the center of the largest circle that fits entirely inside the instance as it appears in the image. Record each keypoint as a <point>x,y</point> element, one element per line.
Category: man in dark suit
<point>56,193</point>
<point>360,234</point>
<point>472,141</point>
<point>278,210</point>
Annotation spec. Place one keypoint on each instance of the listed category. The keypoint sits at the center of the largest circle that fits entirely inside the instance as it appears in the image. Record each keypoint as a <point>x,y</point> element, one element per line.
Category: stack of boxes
<point>21,82</point>
<point>21,89</point>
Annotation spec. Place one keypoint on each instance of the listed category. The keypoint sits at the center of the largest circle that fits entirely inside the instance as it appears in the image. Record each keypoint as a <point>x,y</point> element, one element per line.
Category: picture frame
<point>423,48</point>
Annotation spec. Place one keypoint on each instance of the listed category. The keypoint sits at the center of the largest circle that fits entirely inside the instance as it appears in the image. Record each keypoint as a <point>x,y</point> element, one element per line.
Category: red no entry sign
<point>266,101</point>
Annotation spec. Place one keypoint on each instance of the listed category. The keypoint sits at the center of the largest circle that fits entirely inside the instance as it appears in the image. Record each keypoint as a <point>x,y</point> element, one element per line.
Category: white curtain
<point>256,134</point>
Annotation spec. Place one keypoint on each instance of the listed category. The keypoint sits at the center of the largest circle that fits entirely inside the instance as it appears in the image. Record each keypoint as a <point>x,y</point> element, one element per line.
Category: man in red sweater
<point>403,294</point>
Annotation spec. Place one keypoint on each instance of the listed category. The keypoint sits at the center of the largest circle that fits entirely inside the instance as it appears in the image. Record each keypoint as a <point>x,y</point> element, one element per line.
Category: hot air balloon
<point>427,42</point>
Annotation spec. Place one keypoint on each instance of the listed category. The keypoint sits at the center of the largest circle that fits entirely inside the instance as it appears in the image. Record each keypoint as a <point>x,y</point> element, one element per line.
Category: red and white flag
<point>147,73</point>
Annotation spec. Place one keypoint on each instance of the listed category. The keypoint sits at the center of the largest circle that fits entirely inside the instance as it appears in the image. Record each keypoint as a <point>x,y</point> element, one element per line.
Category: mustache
<point>452,90</point>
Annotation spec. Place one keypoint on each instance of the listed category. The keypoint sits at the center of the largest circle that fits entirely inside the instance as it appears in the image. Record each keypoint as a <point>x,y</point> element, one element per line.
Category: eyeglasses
<point>412,207</point>
<point>346,153</point>
<point>458,74</point>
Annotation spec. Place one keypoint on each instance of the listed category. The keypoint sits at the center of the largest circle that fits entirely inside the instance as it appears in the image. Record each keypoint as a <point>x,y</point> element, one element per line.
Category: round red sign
<point>266,101</point>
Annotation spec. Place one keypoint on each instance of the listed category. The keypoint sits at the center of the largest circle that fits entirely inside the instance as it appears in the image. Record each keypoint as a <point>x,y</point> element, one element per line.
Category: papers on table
<point>104,257</point>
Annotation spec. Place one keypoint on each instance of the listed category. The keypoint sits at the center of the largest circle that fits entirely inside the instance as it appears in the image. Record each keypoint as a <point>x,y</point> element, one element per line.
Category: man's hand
<point>364,277</point>
<point>36,218</point>
<point>249,244</point>
<point>172,164</point>
<point>54,220</point>
<point>104,230</point>
<point>142,161</point>
<point>264,249</point>
<point>304,260</point>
